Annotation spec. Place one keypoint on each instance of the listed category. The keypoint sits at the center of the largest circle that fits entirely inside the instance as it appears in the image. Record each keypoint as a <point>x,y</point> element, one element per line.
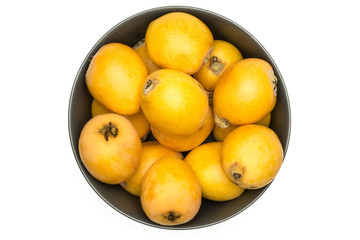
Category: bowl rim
<point>173,8</point>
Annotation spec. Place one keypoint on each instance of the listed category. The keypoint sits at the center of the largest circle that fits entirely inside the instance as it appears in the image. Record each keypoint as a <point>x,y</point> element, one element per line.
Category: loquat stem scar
<point>109,130</point>
<point>274,81</point>
<point>236,176</point>
<point>149,85</point>
<point>139,44</point>
<point>216,65</point>
<point>221,122</point>
<point>171,216</point>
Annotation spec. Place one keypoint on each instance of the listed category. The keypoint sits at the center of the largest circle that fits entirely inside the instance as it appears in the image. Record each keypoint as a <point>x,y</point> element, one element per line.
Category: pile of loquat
<point>155,104</point>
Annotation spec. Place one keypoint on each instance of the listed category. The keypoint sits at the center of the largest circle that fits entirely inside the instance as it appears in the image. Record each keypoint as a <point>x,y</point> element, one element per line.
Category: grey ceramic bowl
<point>129,32</point>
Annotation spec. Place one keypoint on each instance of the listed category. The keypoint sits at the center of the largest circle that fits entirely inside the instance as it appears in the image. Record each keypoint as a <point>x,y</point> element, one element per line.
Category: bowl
<point>129,32</point>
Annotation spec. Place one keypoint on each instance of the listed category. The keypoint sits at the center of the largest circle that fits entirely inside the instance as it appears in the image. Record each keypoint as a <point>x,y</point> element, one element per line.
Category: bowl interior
<point>129,32</point>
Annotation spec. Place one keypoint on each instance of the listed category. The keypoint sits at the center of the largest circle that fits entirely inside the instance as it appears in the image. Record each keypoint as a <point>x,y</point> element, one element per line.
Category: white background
<point>316,46</point>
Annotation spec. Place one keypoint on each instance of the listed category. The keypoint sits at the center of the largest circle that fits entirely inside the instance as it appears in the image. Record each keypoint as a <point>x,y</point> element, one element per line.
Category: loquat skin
<point>182,143</point>
<point>115,78</point>
<point>138,119</point>
<point>245,93</point>
<point>221,133</point>
<point>151,152</point>
<point>222,56</point>
<point>140,123</point>
<point>168,102</point>
<point>265,121</point>
<point>178,41</point>
<point>215,185</point>
<point>170,193</point>
<point>251,156</point>
<point>140,49</point>
<point>98,108</point>
<point>110,148</point>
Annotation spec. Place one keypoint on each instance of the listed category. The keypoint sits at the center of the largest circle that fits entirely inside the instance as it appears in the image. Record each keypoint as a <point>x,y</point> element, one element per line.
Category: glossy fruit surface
<point>170,193</point>
<point>215,185</point>
<point>110,148</point>
<point>246,92</point>
<point>251,156</point>
<point>115,78</point>
<point>167,101</point>
<point>178,41</point>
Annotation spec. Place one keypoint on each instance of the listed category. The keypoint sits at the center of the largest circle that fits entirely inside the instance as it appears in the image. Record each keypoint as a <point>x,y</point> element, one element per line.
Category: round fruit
<point>178,41</point>
<point>115,78</point>
<point>170,193</point>
<point>215,185</point>
<point>151,152</point>
<point>251,156</point>
<point>182,143</point>
<point>245,93</point>
<point>221,133</point>
<point>110,148</point>
<point>174,102</point>
<point>222,56</point>
<point>140,49</point>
